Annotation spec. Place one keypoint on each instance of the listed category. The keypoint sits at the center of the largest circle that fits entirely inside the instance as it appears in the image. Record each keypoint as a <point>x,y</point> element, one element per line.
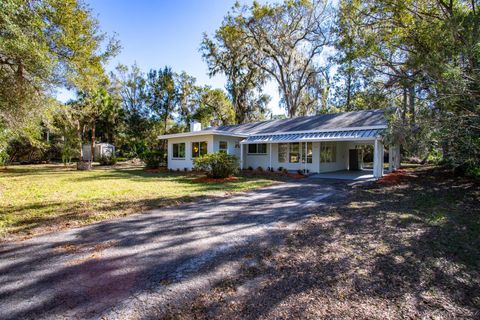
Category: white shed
<point>101,150</point>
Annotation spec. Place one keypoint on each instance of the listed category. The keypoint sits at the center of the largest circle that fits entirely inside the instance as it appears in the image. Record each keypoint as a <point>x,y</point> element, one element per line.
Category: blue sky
<point>159,33</point>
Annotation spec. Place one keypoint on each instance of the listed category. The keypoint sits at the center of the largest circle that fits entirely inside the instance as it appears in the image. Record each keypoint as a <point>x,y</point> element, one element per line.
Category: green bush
<point>153,159</point>
<point>217,165</point>
<point>107,160</point>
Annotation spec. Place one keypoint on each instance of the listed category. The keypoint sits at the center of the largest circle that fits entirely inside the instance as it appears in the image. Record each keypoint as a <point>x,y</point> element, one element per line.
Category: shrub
<point>152,159</point>
<point>260,169</point>
<point>107,160</point>
<point>300,171</point>
<point>250,168</point>
<point>217,165</point>
<point>285,171</point>
<point>280,169</point>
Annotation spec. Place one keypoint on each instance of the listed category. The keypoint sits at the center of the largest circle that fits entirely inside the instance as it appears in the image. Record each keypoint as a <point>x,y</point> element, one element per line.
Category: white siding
<point>341,162</point>
<point>212,146</point>
<point>259,160</point>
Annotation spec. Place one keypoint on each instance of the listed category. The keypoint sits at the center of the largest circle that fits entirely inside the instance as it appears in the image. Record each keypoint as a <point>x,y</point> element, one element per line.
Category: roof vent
<point>195,126</point>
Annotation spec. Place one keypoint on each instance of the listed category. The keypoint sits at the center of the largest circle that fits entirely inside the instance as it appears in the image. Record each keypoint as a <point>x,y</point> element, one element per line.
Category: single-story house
<point>314,144</point>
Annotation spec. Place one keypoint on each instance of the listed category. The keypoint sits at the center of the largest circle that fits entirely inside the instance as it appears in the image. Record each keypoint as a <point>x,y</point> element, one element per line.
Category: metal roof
<point>344,121</point>
<point>370,134</point>
<point>333,121</point>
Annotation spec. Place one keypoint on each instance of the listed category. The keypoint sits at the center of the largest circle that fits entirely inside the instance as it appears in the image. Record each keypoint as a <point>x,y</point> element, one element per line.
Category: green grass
<point>40,198</point>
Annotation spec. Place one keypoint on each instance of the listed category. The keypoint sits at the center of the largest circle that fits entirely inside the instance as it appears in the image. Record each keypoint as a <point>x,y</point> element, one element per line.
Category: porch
<point>329,154</point>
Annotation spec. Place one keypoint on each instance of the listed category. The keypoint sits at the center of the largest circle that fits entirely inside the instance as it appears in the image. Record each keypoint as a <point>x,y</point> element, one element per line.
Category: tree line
<point>417,59</point>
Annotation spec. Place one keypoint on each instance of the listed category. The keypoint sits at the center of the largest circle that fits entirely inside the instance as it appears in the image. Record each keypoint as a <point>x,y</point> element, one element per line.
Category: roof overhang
<point>364,134</point>
<point>201,133</point>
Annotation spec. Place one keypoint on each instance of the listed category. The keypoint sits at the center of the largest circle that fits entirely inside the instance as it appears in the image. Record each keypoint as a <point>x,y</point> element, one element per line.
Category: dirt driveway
<point>143,264</point>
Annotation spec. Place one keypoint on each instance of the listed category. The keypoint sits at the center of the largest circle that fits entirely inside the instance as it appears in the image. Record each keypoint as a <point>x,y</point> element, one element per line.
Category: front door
<point>353,159</point>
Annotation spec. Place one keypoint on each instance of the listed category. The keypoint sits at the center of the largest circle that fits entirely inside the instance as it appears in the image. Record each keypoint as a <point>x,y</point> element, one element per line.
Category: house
<point>314,144</point>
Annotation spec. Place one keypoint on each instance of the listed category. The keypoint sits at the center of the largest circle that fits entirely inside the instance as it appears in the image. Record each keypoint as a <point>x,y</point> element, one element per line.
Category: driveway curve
<point>141,264</point>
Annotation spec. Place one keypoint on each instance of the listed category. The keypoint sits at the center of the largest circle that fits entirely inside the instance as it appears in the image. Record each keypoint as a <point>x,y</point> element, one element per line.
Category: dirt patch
<point>405,247</point>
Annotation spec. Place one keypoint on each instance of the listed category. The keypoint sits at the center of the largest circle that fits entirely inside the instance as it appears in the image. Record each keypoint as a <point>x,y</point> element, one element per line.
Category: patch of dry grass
<point>41,198</point>
<point>403,249</point>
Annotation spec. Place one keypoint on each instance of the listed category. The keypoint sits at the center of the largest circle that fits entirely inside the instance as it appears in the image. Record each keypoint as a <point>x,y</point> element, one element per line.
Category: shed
<point>101,150</point>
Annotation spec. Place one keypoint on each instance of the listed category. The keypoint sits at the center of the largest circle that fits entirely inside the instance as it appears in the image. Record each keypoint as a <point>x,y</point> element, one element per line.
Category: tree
<point>161,95</point>
<point>424,51</point>
<point>215,108</point>
<point>226,53</point>
<point>189,96</point>
<point>130,85</point>
<point>286,41</point>
<point>46,44</point>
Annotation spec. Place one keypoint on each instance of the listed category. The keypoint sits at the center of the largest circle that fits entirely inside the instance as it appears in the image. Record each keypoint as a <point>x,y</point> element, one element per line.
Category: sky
<point>157,33</point>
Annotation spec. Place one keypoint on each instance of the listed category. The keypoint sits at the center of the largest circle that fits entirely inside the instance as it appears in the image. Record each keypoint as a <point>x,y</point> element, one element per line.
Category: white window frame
<point>333,153</point>
<point>199,148</point>
<point>178,150</point>
<point>256,149</point>
<point>305,156</point>
<point>287,152</point>
<point>220,149</point>
<point>299,153</point>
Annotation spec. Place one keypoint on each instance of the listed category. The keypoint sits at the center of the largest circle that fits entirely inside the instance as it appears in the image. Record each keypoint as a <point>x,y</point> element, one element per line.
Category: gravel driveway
<point>142,264</point>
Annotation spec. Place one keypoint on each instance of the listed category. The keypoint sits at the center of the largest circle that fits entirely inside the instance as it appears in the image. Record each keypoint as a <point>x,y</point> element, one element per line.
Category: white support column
<point>319,156</point>
<point>241,156</point>
<point>305,160</point>
<point>270,154</point>
<point>378,159</point>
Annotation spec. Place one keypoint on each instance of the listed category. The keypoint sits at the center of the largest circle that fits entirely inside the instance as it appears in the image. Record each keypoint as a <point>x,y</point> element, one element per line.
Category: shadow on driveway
<point>125,266</point>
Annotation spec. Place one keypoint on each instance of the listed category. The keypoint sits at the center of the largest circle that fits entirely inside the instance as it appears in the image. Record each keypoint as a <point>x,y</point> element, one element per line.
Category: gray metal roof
<point>316,136</point>
<point>344,120</point>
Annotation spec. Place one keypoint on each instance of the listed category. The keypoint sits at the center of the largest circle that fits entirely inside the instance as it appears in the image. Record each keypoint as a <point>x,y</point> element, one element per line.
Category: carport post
<point>241,156</point>
<point>378,159</point>
<point>270,153</point>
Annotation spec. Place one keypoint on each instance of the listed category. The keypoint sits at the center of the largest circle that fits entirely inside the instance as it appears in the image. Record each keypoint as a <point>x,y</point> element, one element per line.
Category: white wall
<point>256,160</point>
<point>231,142</point>
<point>212,146</point>
<point>341,163</point>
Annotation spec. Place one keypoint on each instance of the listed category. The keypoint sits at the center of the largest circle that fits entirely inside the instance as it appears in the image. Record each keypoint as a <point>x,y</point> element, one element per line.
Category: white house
<point>319,144</point>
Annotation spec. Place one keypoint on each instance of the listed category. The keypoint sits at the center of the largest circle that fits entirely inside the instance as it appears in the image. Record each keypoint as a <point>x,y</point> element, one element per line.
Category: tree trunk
<point>93,142</point>
<point>349,91</point>
<point>79,132</point>
<point>405,103</point>
<point>411,92</point>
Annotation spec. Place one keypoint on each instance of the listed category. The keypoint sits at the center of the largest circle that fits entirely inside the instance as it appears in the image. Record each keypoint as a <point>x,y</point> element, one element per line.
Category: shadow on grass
<point>84,272</point>
<point>410,250</point>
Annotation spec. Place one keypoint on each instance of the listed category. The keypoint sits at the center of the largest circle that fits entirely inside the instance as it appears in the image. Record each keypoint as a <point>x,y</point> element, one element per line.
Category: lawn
<point>406,247</point>
<point>42,198</point>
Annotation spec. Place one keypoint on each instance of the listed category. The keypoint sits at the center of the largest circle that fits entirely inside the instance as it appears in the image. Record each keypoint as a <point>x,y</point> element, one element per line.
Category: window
<point>223,146</point>
<point>178,150</point>
<point>282,152</point>
<point>328,152</point>
<point>199,149</point>
<point>260,148</point>
<point>294,152</point>
<point>309,152</point>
